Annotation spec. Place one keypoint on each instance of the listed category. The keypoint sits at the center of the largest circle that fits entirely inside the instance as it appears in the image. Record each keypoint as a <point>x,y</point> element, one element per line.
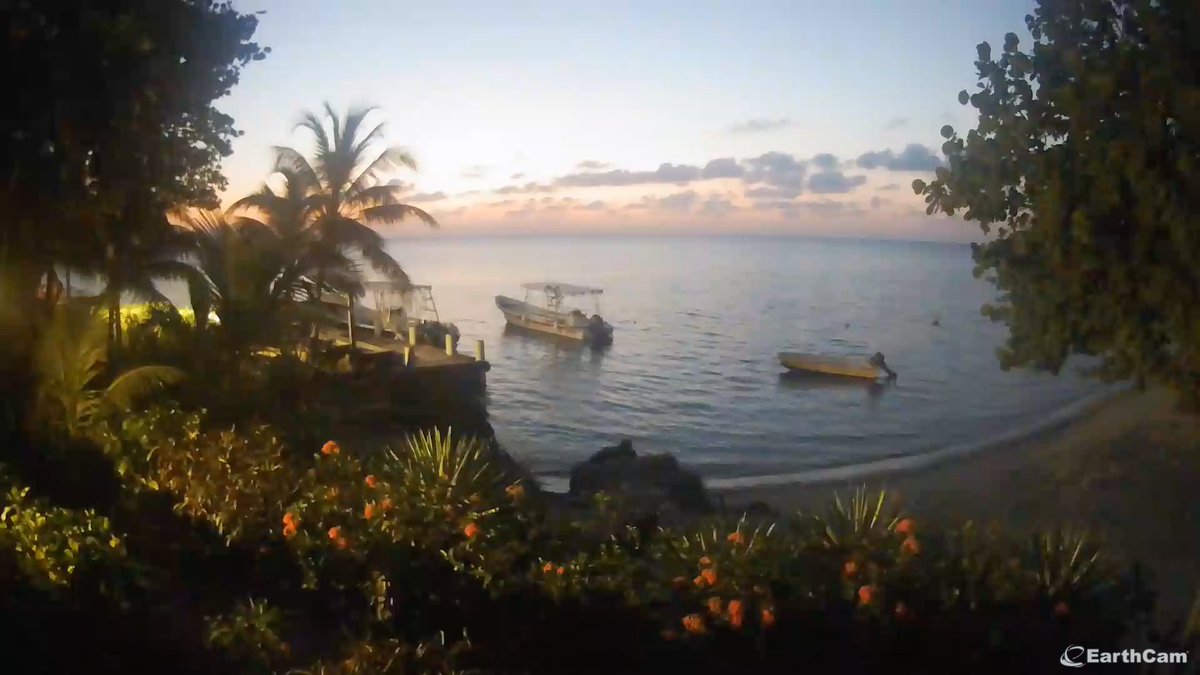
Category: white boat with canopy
<point>552,317</point>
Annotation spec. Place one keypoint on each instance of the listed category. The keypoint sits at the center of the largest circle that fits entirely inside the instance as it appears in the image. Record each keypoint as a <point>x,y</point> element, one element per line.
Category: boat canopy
<point>395,286</point>
<point>562,289</point>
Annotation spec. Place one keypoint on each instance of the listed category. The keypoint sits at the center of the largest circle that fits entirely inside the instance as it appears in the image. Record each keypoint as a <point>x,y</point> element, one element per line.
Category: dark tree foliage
<point>1086,158</point>
<point>109,120</point>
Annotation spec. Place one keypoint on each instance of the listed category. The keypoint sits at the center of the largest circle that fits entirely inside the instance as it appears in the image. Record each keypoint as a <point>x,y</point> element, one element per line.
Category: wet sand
<point>1127,470</point>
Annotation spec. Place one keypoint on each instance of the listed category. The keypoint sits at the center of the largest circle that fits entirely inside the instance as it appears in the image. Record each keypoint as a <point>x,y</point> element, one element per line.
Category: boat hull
<point>829,365</point>
<point>525,316</point>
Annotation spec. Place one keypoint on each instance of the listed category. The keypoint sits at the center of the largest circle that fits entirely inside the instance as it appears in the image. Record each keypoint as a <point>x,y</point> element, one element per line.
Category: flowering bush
<point>355,559</point>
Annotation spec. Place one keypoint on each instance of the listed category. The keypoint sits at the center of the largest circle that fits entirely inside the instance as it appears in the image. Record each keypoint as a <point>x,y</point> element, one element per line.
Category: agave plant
<point>444,471</point>
<point>858,519</point>
<point>1065,561</point>
<point>69,363</point>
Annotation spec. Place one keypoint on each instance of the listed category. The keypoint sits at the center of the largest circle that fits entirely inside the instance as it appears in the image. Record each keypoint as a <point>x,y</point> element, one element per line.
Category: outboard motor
<point>599,331</point>
<point>878,361</point>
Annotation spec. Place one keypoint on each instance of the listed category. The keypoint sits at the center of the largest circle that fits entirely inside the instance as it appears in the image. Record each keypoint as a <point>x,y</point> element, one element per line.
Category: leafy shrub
<point>52,545</point>
<point>249,635</point>
<point>235,480</point>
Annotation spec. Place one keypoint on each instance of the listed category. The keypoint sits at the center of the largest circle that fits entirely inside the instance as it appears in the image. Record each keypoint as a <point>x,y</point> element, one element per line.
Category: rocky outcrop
<point>647,482</point>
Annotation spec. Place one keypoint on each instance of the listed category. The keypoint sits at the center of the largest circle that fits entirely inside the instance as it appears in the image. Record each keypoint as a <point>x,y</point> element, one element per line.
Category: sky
<point>634,117</point>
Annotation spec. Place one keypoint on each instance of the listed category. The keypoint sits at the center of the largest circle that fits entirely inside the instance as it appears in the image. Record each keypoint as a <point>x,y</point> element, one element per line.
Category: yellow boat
<point>869,368</point>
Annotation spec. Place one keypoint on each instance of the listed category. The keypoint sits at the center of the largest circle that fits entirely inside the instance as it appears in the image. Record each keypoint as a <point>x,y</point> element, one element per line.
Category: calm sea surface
<point>693,369</point>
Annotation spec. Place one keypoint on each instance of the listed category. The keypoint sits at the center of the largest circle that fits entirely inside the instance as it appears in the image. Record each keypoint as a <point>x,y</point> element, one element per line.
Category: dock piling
<point>449,345</point>
<point>407,355</point>
<point>479,355</point>
<point>412,335</point>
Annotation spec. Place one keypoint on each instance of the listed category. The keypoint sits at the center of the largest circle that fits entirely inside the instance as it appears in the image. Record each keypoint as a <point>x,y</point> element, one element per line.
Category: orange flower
<point>369,510</point>
<point>289,518</point>
<point>849,569</point>
<point>330,448</point>
<point>910,546</point>
<point>710,576</point>
<point>901,610</point>
<point>471,530</point>
<point>714,606</point>
<point>1062,610</point>
<point>561,571</point>
<point>334,533</point>
<point>515,491</point>
<point>735,538</point>
<point>736,611</point>
<point>705,561</point>
<point>768,617</point>
<point>906,527</point>
<point>371,481</point>
<point>866,594</point>
<point>547,568</point>
<point>289,531</point>
<point>343,543</point>
<point>386,504</point>
<point>694,623</point>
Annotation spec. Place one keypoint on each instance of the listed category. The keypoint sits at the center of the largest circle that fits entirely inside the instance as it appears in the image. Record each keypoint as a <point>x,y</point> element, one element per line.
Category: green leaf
<point>947,131</point>
<point>963,97</point>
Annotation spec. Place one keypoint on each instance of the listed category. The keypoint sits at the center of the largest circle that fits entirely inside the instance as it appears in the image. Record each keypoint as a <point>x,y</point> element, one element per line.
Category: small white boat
<point>551,318</point>
<point>871,368</point>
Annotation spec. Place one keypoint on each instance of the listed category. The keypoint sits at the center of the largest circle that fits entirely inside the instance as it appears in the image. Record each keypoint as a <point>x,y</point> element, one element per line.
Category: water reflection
<point>820,381</point>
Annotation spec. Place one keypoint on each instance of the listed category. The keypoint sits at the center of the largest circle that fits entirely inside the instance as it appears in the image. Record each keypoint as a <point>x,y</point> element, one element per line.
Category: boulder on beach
<point>647,480</point>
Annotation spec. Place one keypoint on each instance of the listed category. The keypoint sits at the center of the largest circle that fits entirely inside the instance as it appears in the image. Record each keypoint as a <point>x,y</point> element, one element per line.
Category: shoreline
<point>1123,469</point>
<point>1057,420</point>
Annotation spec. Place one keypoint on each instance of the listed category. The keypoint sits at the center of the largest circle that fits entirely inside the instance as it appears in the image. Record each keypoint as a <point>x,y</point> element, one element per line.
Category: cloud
<point>896,123</point>
<point>834,182</point>
<point>825,161</point>
<point>517,176</point>
<point>591,165</point>
<point>425,197</point>
<point>595,206</point>
<point>914,157</point>
<point>759,125</point>
<point>773,193</point>
<point>680,201</point>
<point>876,202</point>
<point>778,169</point>
<point>476,171</point>
<point>889,187</point>
<point>724,167</point>
<point>716,206</point>
<point>665,173</point>
<point>524,189</point>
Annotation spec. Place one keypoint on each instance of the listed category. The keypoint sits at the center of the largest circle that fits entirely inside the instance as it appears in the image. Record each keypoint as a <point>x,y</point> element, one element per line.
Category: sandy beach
<point>1127,470</point>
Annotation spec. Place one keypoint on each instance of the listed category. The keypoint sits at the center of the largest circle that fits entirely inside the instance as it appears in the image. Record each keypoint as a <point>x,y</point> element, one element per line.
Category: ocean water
<point>693,368</point>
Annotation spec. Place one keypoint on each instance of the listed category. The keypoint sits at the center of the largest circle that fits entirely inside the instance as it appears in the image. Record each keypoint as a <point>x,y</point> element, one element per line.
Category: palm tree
<point>70,361</point>
<point>131,264</point>
<point>328,204</point>
<point>249,276</point>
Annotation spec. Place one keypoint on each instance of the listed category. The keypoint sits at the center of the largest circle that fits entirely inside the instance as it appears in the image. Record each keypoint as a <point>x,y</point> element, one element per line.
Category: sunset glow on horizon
<point>627,118</point>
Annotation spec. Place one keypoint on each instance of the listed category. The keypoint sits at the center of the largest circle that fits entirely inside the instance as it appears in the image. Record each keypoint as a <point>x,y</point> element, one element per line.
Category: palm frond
<point>137,383</point>
<point>289,161</point>
<point>375,195</point>
<point>387,160</point>
<point>386,214</point>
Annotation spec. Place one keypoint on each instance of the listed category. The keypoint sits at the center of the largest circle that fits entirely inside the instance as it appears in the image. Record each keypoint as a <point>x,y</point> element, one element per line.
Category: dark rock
<point>648,482</point>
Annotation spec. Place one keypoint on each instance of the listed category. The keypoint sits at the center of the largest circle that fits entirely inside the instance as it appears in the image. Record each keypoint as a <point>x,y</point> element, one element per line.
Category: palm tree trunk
<point>315,334</point>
